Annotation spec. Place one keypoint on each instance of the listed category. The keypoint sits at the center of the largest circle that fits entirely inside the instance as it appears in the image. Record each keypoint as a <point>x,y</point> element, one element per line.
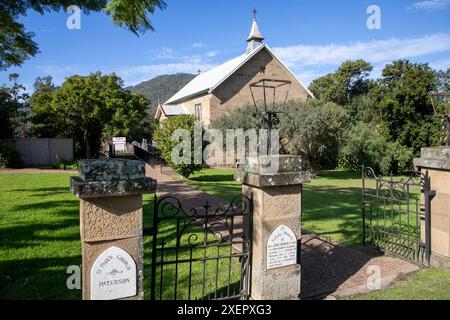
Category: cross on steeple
<point>255,38</point>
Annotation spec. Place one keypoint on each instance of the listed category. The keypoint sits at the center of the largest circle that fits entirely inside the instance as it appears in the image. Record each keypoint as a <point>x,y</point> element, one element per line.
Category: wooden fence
<point>44,151</point>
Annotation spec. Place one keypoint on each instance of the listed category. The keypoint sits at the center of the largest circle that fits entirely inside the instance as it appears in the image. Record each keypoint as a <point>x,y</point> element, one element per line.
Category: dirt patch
<point>342,271</point>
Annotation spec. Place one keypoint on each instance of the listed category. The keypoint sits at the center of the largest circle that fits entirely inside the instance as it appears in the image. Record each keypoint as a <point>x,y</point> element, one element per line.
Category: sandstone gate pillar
<point>437,162</point>
<point>276,225</point>
<point>111,227</point>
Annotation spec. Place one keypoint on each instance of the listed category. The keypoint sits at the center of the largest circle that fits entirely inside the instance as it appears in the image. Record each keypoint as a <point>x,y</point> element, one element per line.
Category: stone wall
<point>235,91</point>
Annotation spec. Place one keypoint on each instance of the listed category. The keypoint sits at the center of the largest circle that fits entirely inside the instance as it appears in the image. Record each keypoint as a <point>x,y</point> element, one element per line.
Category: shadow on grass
<point>71,205</point>
<point>37,278</point>
<point>214,178</point>
<point>338,175</point>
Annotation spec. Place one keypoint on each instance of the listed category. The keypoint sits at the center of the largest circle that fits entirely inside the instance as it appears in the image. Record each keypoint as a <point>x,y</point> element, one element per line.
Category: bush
<point>63,164</point>
<point>9,156</point>
<point>364,145</point>
<point>163,136</point>
<point>314,130</point>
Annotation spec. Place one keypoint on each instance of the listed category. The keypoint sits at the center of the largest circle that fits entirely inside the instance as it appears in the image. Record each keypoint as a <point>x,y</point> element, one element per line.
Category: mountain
<point>161,88</point>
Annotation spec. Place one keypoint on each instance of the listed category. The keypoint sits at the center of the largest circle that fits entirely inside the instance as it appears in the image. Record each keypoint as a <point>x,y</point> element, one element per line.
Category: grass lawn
<point>39,236</point>
<point>331,202</point>
<point>428,284</point>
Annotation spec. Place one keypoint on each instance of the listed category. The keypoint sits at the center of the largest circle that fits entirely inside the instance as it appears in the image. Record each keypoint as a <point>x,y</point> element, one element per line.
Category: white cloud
<point>198,45</point>
<point>373,51</point>
<point>173,63</point>
<point>431,5</point>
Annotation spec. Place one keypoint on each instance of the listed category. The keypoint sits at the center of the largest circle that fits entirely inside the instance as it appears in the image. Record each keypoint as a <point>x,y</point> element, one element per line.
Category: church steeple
<point>255,38</point>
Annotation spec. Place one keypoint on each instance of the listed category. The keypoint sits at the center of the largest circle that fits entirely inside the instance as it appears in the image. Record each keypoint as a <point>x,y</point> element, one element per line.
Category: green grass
<point>331,202</point>
<point>39,236</point>
<point>427,284</point>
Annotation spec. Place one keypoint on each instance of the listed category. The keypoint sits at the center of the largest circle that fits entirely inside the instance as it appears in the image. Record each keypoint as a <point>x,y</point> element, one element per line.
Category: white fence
<point>43,151</point>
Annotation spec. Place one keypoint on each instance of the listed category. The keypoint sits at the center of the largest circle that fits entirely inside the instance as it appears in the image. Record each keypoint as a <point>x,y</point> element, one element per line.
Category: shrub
<point>9,156</point>
<point>364,145</point>
<point>163,136</point>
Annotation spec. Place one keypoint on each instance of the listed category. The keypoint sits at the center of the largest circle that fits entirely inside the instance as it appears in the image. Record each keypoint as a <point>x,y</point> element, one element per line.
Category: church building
<point>227,86</point>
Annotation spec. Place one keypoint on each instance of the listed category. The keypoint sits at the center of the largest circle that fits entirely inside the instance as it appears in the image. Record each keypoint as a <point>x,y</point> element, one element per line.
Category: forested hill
<point>162,88</point>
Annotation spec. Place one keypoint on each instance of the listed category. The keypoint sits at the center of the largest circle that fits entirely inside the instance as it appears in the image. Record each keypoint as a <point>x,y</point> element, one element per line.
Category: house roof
<point>171,110</point>
<point>208,81</point>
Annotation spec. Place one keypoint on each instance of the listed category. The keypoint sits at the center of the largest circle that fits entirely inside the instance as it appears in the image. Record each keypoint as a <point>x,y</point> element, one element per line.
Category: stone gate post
<point>276,225</point>
<point>111,227</point>
<point>437,162</point>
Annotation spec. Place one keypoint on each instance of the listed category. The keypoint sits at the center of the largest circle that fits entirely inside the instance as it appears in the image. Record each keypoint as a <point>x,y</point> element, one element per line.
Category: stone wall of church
<point>235,91</point>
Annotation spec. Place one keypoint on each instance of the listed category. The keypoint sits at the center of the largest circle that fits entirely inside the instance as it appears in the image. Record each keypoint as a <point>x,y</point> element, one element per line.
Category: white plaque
<point>113,275</point>
<point>281,248</point>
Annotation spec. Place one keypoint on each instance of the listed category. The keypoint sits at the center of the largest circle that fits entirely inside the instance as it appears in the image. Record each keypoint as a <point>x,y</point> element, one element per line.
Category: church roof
<point>171,110</point>
<point>208,81</point>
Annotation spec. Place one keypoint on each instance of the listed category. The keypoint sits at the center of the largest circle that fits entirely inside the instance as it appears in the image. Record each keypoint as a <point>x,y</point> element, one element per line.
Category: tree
<point>402,97</point>
<point>17,45</point>
<point>364,145</point>
<point>94,107</point>
<point>43,117</point>
<point>350,80</point>
<point>314,130</point>
<point>166,143</point>
<point>13,109</point>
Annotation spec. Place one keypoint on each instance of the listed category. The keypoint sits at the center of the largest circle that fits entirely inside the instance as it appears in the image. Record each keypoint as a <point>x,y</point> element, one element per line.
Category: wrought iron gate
<point>200,253</point>
<point>396,214</point>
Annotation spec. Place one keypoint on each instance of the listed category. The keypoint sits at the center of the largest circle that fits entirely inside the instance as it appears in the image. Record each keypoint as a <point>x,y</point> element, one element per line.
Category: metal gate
<point>396,214</point>
<point>200,253</point>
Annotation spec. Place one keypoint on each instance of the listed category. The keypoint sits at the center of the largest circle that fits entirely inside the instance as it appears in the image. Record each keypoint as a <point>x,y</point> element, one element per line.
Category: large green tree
<point>17,45</point>
<point>91,108</point>
<point>44,121</point>
<point>403,99</point>
<point>350,80</point>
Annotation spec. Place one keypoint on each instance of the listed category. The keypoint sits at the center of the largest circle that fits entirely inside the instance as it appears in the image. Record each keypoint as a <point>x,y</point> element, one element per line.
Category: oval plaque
<point>113,275</point>
<point>281,248</point>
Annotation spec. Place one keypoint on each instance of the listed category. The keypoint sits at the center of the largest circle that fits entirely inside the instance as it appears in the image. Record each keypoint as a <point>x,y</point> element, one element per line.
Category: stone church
<point>227,86</point>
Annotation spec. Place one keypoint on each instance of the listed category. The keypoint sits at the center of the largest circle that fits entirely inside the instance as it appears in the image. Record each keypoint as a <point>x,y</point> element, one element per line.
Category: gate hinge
<point>432,194</point>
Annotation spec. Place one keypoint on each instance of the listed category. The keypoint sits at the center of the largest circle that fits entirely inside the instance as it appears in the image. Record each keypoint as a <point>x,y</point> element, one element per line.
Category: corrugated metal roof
<point>174,110</point>
<point>210,80</point>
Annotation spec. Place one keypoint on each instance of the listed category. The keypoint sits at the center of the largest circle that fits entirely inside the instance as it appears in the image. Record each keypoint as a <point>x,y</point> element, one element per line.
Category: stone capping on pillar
<point>435,158</point>
<point>111,178</point>
<point>290,172</point>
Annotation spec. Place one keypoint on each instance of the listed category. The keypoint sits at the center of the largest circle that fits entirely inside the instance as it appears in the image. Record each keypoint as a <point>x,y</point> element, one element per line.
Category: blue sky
<point>311,37</point>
